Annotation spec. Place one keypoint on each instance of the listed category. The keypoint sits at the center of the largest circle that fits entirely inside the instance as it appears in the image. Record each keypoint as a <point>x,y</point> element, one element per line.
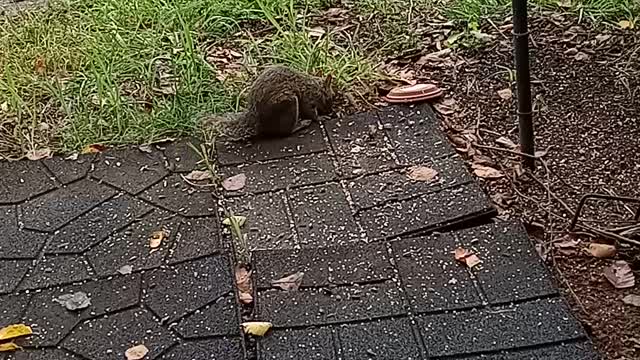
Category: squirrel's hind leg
<point>280,118</point>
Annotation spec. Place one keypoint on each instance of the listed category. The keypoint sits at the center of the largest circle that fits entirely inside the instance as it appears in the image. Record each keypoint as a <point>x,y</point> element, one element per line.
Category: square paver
<point>320,306</point>
<point>285,173</point>
<point>414,133</point>
<point>268,225</point>
<point>316,344</point>
<point>433,280</point>
<point>527,324</point>
<point>325,266</point>
<point>131,170</point>
<point>428,212</point>
<point>360,145</point>
<point>382,339</point>
<point>582,350</point>
<point>308,141</point>
<point>394,185</point>
<point>511,270</point>
<point>323,217</point>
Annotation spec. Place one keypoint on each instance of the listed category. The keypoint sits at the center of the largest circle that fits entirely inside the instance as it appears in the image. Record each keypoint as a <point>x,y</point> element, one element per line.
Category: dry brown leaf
<point>566,242</point>
<point>461,253</point>
<point>620,275</point>
<point>632,299</point>
<point>243,284</point>
<point>422,173</point>
<point>137,352</point>
<point>505,94</point>
<point>235,182</point>
<point>157,237</point>
<point>289,283</point>
<point>199,175</point>
<point>38,154</point>
<point>472,260</point>
<point>40,66</point>
<point>506,142</point>
<point>446,106</point>
<point>437,56</point>
<point>486,172</point>
<point>14,331</point>
<point>317,32</point>
<point>94,148</point>
<point>602,250</point>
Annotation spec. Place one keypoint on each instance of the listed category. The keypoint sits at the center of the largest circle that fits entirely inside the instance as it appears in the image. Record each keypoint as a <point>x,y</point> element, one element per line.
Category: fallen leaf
<point>437,56</point>
<point>316,32</point>
<point>505,94</point>
<point>506,142</point>
<point>145,149</point>
<point>4,107</point>
<point>289,283</point>
<point>580,56</point>
<point>40,66</point>
<point>602,250</point>
<point>72,157</point>
<point>156,238</point>
<point>199,175</point>
<point>257,328</point>
<point>125,270</point>
<point>446,106</point>
<point>566,242</point>
<point>486,172</point>
<point>422,173</point>
<point>14,331</point>
<point>602,38</point>
<point>461,253</point>
<point>10,346</point>
<point>94,148</point>
<point>626,24</point>
<point>235,182</point>
<point>632,299</point>
<point>620,275</point>
<point>241,220</point>
<point>38,154</point>
<point>136,353</point>
<point>76,301</point>
<point>243,283</point>
<point>472,260</point>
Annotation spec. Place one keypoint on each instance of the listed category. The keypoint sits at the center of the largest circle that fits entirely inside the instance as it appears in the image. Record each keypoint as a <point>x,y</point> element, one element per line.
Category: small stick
<point>506,150</point>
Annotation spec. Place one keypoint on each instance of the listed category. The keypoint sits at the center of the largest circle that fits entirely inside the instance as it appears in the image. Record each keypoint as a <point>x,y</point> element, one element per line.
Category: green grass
<point>134,71</point>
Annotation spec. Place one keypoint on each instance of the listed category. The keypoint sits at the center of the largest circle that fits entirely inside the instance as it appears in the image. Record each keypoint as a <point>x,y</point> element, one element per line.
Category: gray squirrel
<point>281,101</point>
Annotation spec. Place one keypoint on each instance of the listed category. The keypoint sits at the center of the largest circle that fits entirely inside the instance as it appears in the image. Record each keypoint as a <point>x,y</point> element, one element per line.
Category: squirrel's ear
<point>328,80</point>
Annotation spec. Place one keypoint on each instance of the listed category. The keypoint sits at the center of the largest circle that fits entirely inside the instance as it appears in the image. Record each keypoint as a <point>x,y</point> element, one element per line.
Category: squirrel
<point>281,102</point>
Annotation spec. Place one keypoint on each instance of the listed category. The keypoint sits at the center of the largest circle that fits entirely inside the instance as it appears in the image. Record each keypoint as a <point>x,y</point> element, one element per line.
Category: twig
<point>514,152</point>
<point>495,27</point>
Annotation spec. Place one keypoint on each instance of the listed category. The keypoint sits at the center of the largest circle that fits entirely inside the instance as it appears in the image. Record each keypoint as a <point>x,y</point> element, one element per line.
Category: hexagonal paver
<point>211,349</point>
<point>55,270</point>
<point>219,318</point>
<point>317,344</point>
<point>178,290</point>
<point>131,170</point>
<point>22,180</point>
<point>17,243</point>
<point>131,245</point>
<point>197,238</point>
<point>97,224</point>
<point>176,195</point>
<point>69,170</point>
<point>12,272</point>
<point>54,209</point>
<point>11,308</point>
<point>40,354</point>
<point>107,338</point>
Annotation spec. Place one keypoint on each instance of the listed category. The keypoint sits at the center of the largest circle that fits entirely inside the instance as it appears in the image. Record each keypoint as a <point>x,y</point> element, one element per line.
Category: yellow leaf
<point>157,237</point>
<point>14,331</point>
<point>257,328</point>
<point>9,347</point>
<point>626,24</point>
<point>239,219</point>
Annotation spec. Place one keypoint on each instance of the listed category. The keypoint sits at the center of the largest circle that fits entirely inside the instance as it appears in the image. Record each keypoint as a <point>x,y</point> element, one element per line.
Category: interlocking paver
<point>176,195</point>
<point>427,212</point>
<point>325,266</point>
<point>55,270</point>
<point>527,324</point>
<point>181,156</point>
<point>40,354</point>
<point>582,350</point>
<point>414,134</point>
<point>319,306</point>
<point>211,349</point>
<point>218,318</point>
<point>68,170</point>
<point>307,141</point>
<point>268,225</point>
<point>17,243</point>
<point>283,173</point>
<point>22,180</point>
<point>49,320</point>
<point>197,238</point>
<point>96,225</point>
<point>107,338</point>
<point>317,344</point>
<point>432,279</point>
<point>130,169</point>
<point>322,216</point>
<point>11,308</point>
<point>12,272</point>
<point>54,209</point>
<point>360,145</point>
<point>131,245</point>
<point>175,291</point>
<point>382,339</point>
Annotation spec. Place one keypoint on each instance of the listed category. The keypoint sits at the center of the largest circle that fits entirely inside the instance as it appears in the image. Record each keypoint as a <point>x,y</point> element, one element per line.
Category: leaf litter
<point>256,328</point>
<point>620,275</point>
<point>631,299</point>
<point>422,173</point>
<point>243,284</point>
<point>14,331</point>
<point>76,301</point>
<point>466,257</point>
<point>602,250</point>
<point>235,182</point>
<point>289,283</point>
<point>137,352</point>
<point>199,175</point>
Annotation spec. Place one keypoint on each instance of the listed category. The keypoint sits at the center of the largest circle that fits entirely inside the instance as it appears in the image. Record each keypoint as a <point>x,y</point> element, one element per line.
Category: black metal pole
<point>523,80</point>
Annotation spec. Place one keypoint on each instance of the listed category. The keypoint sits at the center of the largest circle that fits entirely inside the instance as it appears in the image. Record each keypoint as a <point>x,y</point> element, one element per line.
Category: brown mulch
<point>587,118</point>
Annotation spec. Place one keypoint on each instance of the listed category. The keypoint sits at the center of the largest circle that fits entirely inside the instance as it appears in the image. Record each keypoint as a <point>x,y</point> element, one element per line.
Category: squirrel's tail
<point>231,126</point>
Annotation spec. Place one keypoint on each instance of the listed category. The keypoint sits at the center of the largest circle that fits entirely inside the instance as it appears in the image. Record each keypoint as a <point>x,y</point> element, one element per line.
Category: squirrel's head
<point>328,93</point>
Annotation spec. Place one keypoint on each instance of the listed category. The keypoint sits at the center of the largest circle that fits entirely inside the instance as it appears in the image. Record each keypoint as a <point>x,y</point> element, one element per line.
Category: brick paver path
<point>334,202</point>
